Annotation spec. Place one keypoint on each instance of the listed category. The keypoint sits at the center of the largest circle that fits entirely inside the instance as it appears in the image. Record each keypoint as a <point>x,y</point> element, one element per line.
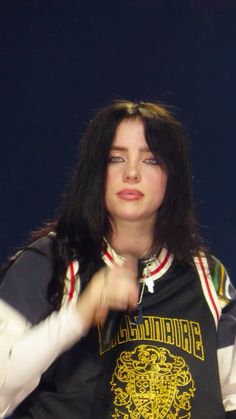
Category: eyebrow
<point>118,148</point>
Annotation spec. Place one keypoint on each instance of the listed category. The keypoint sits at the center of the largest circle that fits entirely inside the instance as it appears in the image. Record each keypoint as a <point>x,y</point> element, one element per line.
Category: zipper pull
<point>139,314</point>
<point>150,284</point>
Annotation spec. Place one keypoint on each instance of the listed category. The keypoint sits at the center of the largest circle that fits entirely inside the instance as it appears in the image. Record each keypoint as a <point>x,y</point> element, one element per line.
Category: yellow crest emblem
<point>151,383</point>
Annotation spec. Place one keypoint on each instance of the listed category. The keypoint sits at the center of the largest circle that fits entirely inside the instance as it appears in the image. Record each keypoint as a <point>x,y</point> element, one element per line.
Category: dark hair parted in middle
<point>84,217</point>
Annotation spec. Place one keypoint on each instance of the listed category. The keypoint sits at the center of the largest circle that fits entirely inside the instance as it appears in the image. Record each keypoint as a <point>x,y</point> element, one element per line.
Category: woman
<point>116,311</point>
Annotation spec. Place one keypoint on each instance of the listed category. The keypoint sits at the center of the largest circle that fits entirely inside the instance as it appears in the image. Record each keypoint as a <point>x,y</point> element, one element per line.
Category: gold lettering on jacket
<point>184,334</point>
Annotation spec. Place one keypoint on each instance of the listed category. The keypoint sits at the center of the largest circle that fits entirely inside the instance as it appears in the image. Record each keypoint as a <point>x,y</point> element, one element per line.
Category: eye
<point>151,160</point>
<point>115,159</point>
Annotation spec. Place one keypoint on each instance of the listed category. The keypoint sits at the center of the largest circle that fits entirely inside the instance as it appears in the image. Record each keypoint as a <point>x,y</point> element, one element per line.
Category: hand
<point>109,289</point>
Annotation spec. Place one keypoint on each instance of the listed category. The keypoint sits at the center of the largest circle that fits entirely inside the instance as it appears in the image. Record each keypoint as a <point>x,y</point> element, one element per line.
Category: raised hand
<point>113,288</point>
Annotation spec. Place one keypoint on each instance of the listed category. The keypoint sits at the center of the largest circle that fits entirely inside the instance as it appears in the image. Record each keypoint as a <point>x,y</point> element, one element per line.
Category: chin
<point>130,217</point>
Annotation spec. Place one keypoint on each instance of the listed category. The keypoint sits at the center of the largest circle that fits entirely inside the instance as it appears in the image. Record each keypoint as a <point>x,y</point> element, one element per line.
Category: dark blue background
<point>61,60</point>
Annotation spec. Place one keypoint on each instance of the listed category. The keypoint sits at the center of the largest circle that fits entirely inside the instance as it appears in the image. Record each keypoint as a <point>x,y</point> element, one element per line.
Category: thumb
<point>131,264</point>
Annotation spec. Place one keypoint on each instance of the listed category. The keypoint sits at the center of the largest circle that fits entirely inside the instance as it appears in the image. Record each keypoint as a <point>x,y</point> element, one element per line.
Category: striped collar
<point>154,268</point>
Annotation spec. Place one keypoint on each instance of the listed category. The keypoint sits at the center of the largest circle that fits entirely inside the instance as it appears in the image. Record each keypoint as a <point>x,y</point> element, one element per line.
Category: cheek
<point>109,187</point>
<point>158,184</point>
<point>163,181</point>
<point>111,179</point>
<point>159,179</point>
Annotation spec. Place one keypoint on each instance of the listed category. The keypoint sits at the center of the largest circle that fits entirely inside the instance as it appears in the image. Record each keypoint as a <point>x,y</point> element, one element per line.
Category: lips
<point>130,194</point>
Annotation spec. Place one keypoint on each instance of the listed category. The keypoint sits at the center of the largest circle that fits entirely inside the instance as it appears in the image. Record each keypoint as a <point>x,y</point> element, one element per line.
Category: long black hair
<point>84,222</point>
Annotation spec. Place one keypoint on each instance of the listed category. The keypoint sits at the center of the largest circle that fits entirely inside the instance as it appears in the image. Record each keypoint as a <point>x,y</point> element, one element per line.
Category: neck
<point>132,238</point>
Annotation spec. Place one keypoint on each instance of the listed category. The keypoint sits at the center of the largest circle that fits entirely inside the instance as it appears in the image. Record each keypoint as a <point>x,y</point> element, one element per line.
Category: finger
<point>101,315</point>
<point>133,297</point>
<point>131,264</point>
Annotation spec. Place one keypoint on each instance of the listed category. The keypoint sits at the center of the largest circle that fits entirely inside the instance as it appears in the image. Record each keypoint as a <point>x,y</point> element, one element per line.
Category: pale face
<point>135,183</point>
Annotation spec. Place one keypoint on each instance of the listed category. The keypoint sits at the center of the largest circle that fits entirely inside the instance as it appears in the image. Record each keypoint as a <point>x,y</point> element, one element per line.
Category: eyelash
<point>152,160</point>
<point>115,159</point>
<point>119,159</point>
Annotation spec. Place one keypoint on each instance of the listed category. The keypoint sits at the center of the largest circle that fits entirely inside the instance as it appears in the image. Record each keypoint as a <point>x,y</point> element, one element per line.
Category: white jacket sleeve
<point>26,352</point>
<point>227,356</point>
<point>227,370</point>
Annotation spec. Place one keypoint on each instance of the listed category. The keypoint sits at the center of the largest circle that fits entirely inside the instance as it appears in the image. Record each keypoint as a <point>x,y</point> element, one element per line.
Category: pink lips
<point>130,194</point>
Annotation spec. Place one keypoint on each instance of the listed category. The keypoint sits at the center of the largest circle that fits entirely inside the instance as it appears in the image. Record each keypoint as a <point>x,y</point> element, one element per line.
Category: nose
<point>131,173</point>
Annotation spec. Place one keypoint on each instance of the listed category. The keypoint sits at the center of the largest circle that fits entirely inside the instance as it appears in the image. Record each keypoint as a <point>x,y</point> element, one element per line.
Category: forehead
<point>130,131</point>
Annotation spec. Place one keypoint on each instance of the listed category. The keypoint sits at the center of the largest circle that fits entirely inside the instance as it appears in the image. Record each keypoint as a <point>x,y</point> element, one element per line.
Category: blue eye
<point>115,159</point>
<point>151,160</point>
